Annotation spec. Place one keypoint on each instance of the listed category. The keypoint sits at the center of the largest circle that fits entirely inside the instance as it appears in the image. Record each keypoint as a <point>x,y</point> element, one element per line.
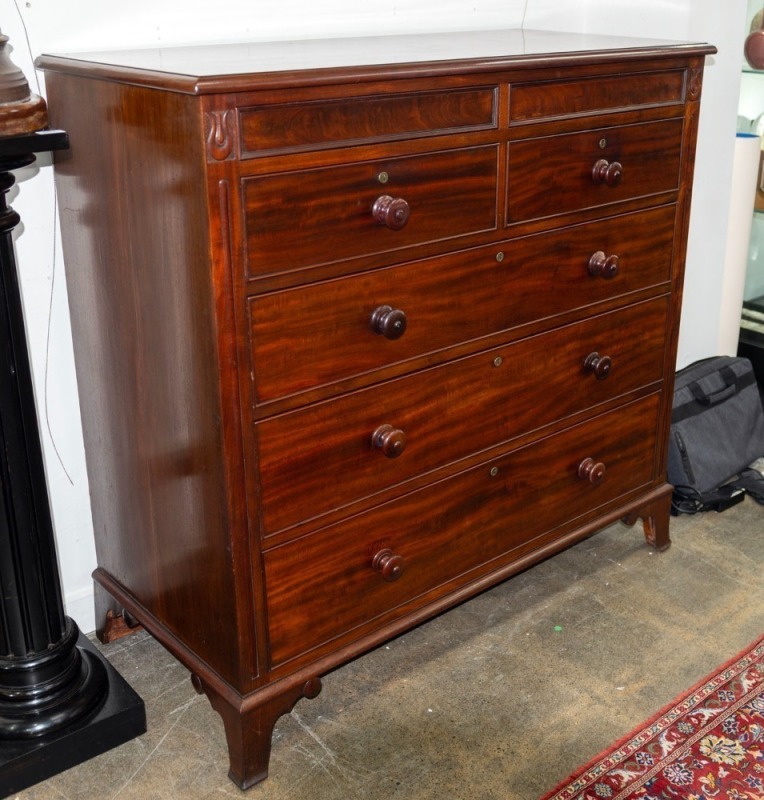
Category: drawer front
<point>318,334</point>
<point>303,219</point>
<point>532,102</point>
<point>293,127</point>
<point>555,175</point>
<point>325,586</point>
<point>440,415</point>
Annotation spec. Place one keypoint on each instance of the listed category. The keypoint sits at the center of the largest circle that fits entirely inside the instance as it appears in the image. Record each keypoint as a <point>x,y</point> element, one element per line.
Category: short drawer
<point>339,582</point>
<point>377,438</point>
<point>325,332</point>
<point>555,175</point>
<point>293,127</point>
<point>540,100</point>
<point>302,219</point>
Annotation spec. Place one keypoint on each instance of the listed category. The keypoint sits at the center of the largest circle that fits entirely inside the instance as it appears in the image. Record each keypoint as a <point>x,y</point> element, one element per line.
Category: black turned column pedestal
<point>60,700</point>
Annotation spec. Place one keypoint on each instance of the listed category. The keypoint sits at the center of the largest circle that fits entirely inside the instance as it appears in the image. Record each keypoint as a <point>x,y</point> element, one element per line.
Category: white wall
<point>751,107</point>
<point>77,25</point>
<point>723,23</point>
<point>37,26</point>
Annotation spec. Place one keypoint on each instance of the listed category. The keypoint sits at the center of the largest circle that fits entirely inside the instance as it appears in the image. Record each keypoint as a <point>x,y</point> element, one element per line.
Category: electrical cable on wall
<point>525,11</point>
<point>49,324</point>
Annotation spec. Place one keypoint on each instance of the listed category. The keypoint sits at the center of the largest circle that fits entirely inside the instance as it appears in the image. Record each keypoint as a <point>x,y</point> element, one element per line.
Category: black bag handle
<point>729,389</point>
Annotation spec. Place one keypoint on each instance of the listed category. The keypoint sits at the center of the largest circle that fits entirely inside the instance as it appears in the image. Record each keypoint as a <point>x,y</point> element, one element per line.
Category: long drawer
<point>553,175</point>
<point>370,440</point>
<point>346,579</point>
<point>325,332</point>
<point>302,219</point>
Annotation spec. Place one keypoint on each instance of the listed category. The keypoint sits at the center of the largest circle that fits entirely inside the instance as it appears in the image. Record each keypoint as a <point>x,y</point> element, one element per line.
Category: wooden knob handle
<point>391,441</point>
<point>389,322</point>
<point>607,172</point>
<point>591,470</point>
<point>602,266</point>
<point>392,212</point>
<point>388,564</point>
<point>601,366</point>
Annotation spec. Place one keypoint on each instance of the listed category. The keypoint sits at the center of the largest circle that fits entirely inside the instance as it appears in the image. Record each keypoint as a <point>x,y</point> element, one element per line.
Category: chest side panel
<point>134,219</point>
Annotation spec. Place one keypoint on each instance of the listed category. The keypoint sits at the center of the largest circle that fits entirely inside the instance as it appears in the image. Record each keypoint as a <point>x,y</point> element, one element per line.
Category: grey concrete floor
<point>500,698</point>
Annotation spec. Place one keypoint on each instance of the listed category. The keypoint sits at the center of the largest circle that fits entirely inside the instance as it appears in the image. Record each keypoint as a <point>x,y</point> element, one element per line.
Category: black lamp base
<point>61,702</point>
<point>121,717</point>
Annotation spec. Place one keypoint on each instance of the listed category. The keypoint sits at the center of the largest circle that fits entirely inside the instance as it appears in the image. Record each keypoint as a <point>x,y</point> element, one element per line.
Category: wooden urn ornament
<point>60,701</point>
<point>20,110</point>
<point>754,43</point>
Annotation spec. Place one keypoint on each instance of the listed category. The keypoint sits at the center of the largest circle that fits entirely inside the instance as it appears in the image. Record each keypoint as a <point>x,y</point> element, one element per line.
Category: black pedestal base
<point>121,717</point>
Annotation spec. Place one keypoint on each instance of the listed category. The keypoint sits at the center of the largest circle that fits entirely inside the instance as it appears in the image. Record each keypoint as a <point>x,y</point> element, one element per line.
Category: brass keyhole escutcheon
<point>383,177</point>
<point>603,143</point>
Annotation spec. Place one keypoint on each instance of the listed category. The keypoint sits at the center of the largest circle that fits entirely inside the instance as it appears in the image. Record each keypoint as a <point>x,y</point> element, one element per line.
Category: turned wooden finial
<point>20,111</point>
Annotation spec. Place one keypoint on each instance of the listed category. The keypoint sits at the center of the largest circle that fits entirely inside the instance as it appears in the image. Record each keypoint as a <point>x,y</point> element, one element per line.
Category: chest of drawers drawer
<point>596,95</point>
<point>553,175</point>
<point>380,437</point>
<point>334,582</point>
<point>311,125</point>
<point>297,220</point>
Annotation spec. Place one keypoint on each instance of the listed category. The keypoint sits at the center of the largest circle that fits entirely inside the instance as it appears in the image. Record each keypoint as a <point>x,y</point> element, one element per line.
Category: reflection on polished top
<point>191,65</point>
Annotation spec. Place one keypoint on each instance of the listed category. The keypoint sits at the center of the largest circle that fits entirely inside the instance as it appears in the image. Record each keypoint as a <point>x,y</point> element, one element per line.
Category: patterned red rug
<point>708,744</point>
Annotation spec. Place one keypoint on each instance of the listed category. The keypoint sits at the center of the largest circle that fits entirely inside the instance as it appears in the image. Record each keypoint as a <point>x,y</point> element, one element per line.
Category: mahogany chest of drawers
<point>364,327</point>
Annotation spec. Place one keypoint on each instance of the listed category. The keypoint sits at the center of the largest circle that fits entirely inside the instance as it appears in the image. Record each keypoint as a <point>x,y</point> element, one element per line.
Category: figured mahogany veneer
<point>306,610</point>
<point>291,127</point>
<point>605,94</point>
<point>444,424</point>
<point>305,219</point>
<point>593,168</point>
<point>363,328</point>
<point>515,285</point>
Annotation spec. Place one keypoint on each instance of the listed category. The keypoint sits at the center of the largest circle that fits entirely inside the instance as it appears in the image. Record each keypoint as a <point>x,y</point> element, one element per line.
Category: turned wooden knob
<point>392,212</point>
<point>591,470</point>
<point>599,365</point>
<point>391,441</point>
<point>602,266</point>
<point>389,322</point>
<point>607,172</point>
<point>388,564</point>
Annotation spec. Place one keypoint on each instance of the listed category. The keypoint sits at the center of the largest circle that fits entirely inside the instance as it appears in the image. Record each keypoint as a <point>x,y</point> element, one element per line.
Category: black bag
<point>717,431</point>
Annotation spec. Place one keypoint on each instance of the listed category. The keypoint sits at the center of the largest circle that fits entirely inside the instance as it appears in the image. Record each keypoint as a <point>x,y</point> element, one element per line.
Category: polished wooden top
<point>204,69</point>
